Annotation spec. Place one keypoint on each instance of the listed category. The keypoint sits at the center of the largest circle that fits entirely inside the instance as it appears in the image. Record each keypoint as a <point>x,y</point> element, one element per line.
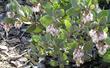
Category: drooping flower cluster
<point>52,30</point>
<point>87,16</point>
<point>77,55</point>
<point>97,37</point>
<point>102,48</point>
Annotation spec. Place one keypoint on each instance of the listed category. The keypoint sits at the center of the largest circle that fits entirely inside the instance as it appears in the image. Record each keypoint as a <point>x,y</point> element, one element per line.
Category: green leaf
<point>59,13</point>
<point>102,14</point>
<point>74,3</point>
<point>106,57</point>
<point>54,1</point>
<point>24,19</point>
<point>53,63</point>
<point>33,1</point>
<point>16,2</point>
<point>27,10</point>
<point>105,29</point>
<point>88,46</point>
<point>107,40</point>
<point>9,20</point>
<point>67,24</point>
<point>13,6</point>
<point>35,38</point>
<point>20,12</point>
<point>108,19</point>
<point>56,5</point>
<point>108,1</point>
<point>73,11</point>
<point>48,8</point>
<point>38,29</point>
<point>72,45</point>
<point>62,34</point>
<point>46,20</point>
<point>64,56</point>
<point>31,28</point>
<point>35,28</point>
<point>89,2</point>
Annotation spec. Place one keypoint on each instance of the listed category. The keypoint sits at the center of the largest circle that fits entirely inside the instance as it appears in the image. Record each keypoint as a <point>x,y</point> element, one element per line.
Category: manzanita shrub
<point>67,30</point>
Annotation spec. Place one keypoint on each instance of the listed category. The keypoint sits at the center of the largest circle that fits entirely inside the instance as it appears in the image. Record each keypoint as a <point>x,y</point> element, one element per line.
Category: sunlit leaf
<point>89,2</point>
<point>73,11</point>
<point>74,3</point>
<point>67,24</point>
<point>62,34</point>
<point>53,63</point>
<point>108,17</point>
<point>48,8</point>
<point>56,5</point>
<point>38,29</point>
<point>64,56</point>
<point>31,28</point>
<point>46,20</point>
<point>107,40</point>
<point>92,6</point>
<point>21,12</point>
<point>33,1</point>
<point>72,45</point>
<point>60,13</point>
<point>102,15</point>
<point>105,29</point>
<point>36,38</point>
<point>9,20</point>
<point>106,57</point>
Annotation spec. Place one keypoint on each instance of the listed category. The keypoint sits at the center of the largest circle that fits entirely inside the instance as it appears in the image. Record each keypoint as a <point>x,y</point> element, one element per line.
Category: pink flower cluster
<point>78,54</point>
<point>52,30</point>
<point>97,37</point>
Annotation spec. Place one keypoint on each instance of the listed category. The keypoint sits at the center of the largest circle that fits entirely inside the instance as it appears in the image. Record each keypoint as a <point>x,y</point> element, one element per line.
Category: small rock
<point>2,57</point>
<point>28,66</point>
<point>40,65</point>
<point>4,48</point>
<point>13,63</point>
<point>22,59</point>
<point>34,66</point>
<point>19,64</point>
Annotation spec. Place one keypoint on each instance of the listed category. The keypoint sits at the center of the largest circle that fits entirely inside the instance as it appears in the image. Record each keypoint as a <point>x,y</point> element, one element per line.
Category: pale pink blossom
<point>102,35</point>
<point>36,8</point>
<point>78,54</point>
<point>102,49</point>
<point>52,30</point>
<point>97,36</point>
<point>93,35</point>
<point>87,16</point>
